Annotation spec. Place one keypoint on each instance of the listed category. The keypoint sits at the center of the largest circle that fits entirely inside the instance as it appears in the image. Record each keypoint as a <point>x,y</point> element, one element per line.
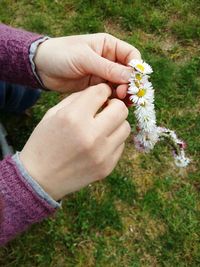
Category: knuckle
<point>123,110</point>
<point>107,168</point>
<point>102,90</point>
<point>120,152</point>
<point>127,127</point>
<point>61,116</point>
<point>104,171</point>
<point>86,143</point>
<point>98,159</point>
<point>122,147</point>
<point>137,53</point>
<point>66,118</point>
<point>105,35</point>
<point>49,112</point>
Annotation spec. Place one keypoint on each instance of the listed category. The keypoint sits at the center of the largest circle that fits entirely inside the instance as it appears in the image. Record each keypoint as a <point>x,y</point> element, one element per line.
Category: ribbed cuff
<point>32,52</point>
<point>36,187</point>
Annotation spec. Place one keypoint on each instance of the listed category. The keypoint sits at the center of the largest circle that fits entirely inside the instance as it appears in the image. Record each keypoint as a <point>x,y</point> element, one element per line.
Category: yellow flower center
<point>143,104</point>
<point>140,67</point>
<point>141,93</point>
<point>137,84</point>
<point>138,76</point>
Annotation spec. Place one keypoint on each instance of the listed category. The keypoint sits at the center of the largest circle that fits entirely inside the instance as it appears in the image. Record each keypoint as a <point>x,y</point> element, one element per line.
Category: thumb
<point>108,70</point>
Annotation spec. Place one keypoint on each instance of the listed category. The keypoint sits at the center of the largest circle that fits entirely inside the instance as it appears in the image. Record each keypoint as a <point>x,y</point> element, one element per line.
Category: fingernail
<point>126,75</point>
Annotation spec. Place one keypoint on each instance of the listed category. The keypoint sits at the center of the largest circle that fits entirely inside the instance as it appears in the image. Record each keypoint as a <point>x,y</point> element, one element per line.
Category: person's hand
<point>73,63</point>
<point>75,144</point>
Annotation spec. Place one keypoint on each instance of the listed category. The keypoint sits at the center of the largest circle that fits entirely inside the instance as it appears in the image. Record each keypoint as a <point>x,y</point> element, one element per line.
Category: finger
<point>115,156</point>
<point>65,102</point>
<point>119,51</point>
<point>73,85</point>
<point>121,90</point>
<point>125,52</point>
<point>112,160</point>
<point>106,69</point>
<point>92,99</point>
<point>111,117</point>
<point>120,134</point>
<point>121,93</point>
<point>119,150</point>
<point>118,91</point>
<point>113,48</point>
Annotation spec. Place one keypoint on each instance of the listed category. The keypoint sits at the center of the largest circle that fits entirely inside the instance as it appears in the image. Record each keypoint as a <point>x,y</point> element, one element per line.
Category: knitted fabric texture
<point>1,208</point>
<point>21,205</point>
<point>15,66</point>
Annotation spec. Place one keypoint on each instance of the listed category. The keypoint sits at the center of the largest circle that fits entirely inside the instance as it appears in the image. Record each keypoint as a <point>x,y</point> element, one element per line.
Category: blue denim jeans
<point>17,98</point>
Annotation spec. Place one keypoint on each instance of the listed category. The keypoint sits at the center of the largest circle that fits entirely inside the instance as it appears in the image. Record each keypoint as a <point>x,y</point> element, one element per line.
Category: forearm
<point>21,206</point>
<point>15,63</point>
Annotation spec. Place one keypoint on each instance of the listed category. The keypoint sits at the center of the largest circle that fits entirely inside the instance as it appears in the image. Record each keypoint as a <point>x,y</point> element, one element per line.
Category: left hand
<point>75,62</point>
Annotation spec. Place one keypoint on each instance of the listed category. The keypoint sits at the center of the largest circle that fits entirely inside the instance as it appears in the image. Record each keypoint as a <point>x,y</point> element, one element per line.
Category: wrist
<point>40,192</point>
<point>35,56</point>
<point>31,172</point>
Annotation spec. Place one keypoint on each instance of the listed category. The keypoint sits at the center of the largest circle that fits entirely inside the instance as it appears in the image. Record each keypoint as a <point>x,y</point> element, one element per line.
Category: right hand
<point>74,144</point>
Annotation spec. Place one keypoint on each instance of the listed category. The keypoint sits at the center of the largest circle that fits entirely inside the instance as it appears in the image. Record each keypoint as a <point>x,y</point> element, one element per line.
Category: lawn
<point>147,212</point>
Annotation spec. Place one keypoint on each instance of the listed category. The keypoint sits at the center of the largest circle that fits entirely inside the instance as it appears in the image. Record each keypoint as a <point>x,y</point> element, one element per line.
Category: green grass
<point>147,212</point>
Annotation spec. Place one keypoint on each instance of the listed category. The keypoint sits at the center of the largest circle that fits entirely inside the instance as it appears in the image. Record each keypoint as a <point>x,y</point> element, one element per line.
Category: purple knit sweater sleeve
<point>21,206</point>
<point>15,65</point>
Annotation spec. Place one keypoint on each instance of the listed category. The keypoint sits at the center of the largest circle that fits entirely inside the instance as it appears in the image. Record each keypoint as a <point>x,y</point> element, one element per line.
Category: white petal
<point>181,161</point>
<point>147,125</point>
<point>132,90</point>
<point>149,96</point>
<point>134,62</point>
<point>141,100</point>
<point>148,85</point>
<point>134,99</point>
<point>145,140</point>
<point>145,79</point>
<point>147,68</point>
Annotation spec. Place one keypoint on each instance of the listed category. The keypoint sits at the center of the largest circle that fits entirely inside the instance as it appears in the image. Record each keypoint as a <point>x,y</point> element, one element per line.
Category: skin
<point>81,139</point>
<point>74,145</point>
<point>73,63</point>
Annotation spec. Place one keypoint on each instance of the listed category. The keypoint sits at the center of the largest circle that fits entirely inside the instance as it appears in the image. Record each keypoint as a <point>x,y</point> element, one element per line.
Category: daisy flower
<point>147,124</point>
<point>142,95</point>
<point>145,141</point>
<point>145,110</point>
<point>132,89</point>
<point>181,161</point>
<point>146,117</point>
<point>140,66</point>
<point>178,146</point>
<point>137,76</point>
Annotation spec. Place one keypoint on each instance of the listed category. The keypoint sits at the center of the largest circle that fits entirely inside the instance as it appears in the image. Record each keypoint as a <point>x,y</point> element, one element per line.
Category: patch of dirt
<point>168,43</point>
<point>86,251</point>
<point>145,37</point>
<point>142,178</point>
<point>149,260</point>
<point>115,29</point>
<point>154,228</point>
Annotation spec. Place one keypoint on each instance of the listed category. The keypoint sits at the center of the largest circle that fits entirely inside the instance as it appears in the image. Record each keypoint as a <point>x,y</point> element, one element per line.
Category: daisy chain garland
<point>148,133</point>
